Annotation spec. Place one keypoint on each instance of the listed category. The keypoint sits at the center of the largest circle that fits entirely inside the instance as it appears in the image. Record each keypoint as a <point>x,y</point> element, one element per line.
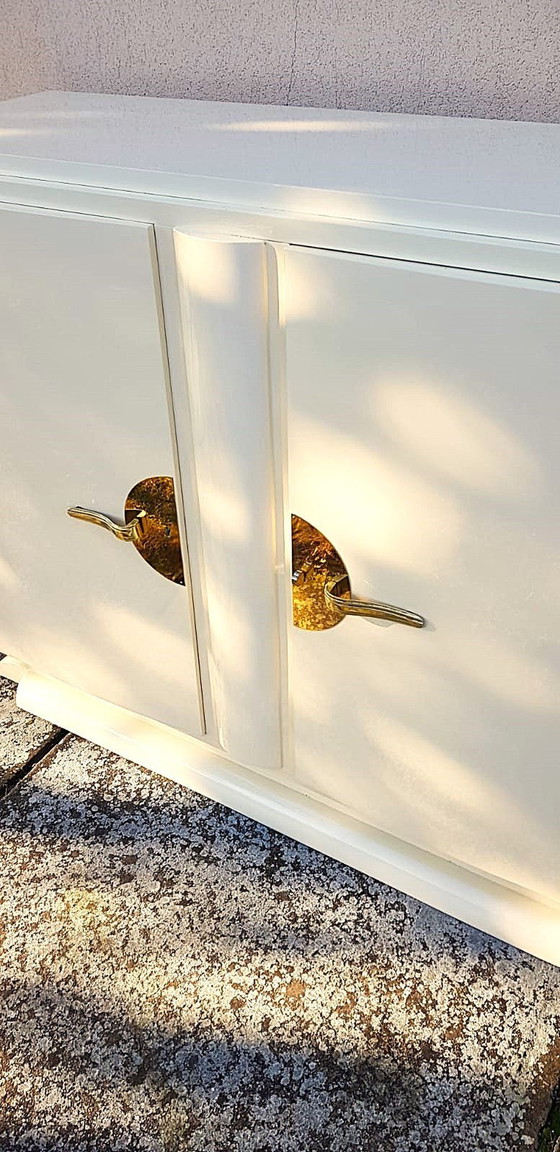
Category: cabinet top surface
<point>365,166</point>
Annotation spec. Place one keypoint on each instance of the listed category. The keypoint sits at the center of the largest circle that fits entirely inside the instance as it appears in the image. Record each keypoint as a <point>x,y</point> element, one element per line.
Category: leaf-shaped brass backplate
<point>315,562</point>
<point>158,542</point>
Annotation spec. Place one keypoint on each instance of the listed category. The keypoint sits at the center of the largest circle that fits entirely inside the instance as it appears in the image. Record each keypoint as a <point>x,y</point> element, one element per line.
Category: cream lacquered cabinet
<point>280,471</point>
<point>84,418</point>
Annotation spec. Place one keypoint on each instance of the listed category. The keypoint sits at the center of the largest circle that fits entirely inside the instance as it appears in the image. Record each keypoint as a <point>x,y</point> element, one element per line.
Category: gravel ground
<point>177,977</point>
<point>23,737</point>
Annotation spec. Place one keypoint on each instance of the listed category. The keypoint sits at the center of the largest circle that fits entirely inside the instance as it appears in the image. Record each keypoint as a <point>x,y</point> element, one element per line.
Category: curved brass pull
<point>321,592</point>
<point>372,608</point>
<point>150,515</point>
<point>131,531</point>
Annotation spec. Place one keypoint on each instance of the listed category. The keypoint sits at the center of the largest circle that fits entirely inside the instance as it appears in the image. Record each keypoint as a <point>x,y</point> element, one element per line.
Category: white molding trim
<point>536,254</point>
<point>223,294</point>
<point>512,915</point>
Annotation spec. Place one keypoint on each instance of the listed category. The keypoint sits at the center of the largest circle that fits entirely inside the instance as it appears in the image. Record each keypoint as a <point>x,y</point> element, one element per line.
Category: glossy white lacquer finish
<point>423,442</point>
<point>84,418</point>
<point>224,300</point>
<point>487,176</point>
<point>420,397</point>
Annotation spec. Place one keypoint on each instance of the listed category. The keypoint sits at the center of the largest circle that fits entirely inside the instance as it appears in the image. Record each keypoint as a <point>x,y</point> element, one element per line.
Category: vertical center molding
<point>224,306</point>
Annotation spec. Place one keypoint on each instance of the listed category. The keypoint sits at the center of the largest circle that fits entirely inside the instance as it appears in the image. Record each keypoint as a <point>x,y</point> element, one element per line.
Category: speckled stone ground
<point>22,737</point>
<point>177,977</point>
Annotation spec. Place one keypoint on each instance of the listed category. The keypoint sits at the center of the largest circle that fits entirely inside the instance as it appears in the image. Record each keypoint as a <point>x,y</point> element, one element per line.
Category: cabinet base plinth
<point>509,914</point>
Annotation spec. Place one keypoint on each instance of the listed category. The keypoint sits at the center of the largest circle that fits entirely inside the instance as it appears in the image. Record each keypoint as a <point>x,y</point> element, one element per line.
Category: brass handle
<point>150,515</point>
<point>371,608</point>
<point>321,592</point>
<point>131,531</point>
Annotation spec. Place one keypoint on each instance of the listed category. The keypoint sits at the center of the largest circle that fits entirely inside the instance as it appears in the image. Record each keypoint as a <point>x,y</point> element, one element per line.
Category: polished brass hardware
<point>150,515</point>
<point>130,531</point>
<point>335,592</point>
<point>159,544</point>
<point>314,562</point>
<point>321,593</point>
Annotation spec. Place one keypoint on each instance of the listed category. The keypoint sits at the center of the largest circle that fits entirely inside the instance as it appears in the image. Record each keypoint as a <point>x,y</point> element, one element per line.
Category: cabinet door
<point>84,420</point>
<point>423,443</point>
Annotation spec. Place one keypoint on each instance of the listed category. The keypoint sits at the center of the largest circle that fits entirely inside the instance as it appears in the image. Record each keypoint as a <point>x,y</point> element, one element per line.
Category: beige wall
<point>456,57</point>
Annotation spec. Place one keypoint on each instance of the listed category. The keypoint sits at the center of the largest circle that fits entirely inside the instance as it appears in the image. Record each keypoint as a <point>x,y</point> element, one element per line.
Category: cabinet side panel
<point>223,292</point>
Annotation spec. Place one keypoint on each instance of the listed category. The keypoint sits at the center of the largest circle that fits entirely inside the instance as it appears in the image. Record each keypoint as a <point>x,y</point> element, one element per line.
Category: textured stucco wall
<point>455,57</point>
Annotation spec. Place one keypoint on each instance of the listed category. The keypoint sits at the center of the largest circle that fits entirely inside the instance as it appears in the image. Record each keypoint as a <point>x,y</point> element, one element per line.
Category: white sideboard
<point>294,374</point>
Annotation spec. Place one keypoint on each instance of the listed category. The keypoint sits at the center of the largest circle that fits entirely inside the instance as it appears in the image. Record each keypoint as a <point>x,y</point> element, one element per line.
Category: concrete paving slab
<point>22,736</point>
<point>175,976</point>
